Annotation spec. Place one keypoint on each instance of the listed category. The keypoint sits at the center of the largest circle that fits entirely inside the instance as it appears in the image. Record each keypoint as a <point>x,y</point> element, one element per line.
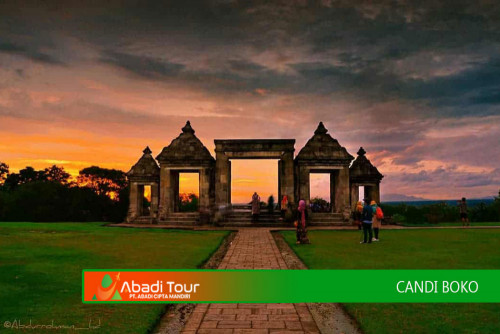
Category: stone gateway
<point>187,154</point>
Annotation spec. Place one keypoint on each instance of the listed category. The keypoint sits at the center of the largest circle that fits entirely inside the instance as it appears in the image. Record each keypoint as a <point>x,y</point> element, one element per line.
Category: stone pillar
<point>342,189</point>
<point>221,180</point>
<point>140,200</point>
<point>206,195</point>
<point>375,193</point>
<point>133,210</point>
<point>154,199</point>
<point>354,195</point>
<point>204,205</point>
<point>174,176</point>
<point>304,186</point>
<point>287,178</point>
<point>332,190</point>
<point>211,188</point>
<point>166,193</point>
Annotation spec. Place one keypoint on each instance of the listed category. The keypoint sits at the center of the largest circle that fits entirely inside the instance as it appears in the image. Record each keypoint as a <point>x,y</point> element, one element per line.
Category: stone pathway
<point>252,249</point>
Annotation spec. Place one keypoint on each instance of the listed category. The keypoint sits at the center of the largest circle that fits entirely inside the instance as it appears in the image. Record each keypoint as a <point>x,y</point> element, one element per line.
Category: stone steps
<point>249,223</point>
<point>326,219</point>
<point>182,218</point>
<point>142,220</point>
<point>241,216</point>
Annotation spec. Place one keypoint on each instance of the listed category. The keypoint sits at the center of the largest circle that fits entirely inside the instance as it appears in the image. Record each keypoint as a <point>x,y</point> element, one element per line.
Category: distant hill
<point>401,198</point>
<point>451,202</point>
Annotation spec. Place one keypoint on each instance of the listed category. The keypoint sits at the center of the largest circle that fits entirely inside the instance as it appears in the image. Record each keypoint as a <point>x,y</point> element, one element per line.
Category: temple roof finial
<point>147,150</point>
<point>187,128</point>
<point>361,151</point>
<point>320,130</point>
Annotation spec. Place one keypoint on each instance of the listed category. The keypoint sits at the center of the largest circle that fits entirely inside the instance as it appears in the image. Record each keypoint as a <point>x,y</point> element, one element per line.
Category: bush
<point>319,204</point>
<point>399,219</point>
<point>441,213</point>
<point>47,201</point>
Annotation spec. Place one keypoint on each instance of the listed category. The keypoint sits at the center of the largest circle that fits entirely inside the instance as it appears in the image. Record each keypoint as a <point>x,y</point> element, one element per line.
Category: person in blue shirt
<point>367,218</point>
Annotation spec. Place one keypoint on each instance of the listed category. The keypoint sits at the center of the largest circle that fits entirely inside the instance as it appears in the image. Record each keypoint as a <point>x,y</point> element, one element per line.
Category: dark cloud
<point>277,67</point>
<point>446,177</point>
<point>147,67</point>
<point>30,54</point>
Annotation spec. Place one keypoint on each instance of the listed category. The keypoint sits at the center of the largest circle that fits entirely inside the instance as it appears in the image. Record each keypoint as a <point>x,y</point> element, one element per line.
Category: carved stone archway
<point>227,149</point>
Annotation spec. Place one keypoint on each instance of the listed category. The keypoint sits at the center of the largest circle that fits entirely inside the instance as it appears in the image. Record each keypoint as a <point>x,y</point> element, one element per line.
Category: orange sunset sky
<point>93,85</point>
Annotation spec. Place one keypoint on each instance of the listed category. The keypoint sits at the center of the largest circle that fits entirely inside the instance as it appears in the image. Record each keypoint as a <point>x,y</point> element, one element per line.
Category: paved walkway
<point>252,249</point>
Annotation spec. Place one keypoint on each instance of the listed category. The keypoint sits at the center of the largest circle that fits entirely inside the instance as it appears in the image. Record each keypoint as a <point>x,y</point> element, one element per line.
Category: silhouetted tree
<point>26,175</point>
<point>103,181</point>
<point>48,195</point>
<point>56,174</point>
<point>188,202</point>
<point>4,171</point>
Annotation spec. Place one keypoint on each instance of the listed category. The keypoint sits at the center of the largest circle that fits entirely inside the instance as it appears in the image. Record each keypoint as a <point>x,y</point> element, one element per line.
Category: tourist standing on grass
<point>301,223</point>
<point>255,206</point>
<point>367,222</point>
<point>376,221</point>
<point>357,215</point>
<point>462,206</point>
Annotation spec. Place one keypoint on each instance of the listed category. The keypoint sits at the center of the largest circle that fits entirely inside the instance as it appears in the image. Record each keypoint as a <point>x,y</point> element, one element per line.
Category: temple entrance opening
<point>320,192</point>
<point>253,175</point>
<point>361,195</point>
<point>189,192</point>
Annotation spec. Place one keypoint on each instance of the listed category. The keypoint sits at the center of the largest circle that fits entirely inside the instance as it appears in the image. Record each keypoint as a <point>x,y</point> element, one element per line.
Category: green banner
<point>296,286</point>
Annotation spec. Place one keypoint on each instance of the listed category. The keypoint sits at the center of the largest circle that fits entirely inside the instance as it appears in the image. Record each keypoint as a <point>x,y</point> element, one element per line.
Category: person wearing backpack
<point>367,217</point>
<point>378,215</point>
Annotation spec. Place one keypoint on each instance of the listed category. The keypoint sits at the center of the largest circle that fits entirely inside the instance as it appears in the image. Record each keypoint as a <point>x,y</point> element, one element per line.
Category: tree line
<point>51,194</point>
<point>442,212</point>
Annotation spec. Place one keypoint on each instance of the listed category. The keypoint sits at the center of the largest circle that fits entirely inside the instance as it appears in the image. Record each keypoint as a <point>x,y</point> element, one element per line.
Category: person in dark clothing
<point>301,223</point>
<point>462,206</point>
<point>367,222</point>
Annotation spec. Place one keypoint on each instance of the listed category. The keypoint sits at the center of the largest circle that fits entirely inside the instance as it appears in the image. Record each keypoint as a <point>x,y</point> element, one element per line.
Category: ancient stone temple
<point>186,154</point>
<point>143,174</point>
<point>323,154</point>
<point>363,173</point>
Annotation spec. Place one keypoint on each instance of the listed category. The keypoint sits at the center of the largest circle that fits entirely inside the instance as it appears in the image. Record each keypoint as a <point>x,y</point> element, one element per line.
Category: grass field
<point>410,249</point>
<point>41,268</point>
<point>452,224</point>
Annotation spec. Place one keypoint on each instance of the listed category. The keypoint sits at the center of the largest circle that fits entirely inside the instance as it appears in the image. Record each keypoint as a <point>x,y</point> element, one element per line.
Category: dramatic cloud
<point>414,83</point>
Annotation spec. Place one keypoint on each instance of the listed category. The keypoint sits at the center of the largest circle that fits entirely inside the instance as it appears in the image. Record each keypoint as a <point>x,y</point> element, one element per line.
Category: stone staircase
<point>182,219</point>
<point>142,220</point>
<point>241,216</point>
<point>326,219</point>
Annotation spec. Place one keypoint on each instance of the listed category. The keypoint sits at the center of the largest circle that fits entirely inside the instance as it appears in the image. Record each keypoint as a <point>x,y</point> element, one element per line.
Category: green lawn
<point>451,224</point>
<point>410,249</point>
<point>41,270</point>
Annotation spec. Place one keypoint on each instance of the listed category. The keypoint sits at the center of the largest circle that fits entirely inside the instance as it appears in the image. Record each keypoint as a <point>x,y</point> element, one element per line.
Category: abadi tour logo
<point>107,290</point>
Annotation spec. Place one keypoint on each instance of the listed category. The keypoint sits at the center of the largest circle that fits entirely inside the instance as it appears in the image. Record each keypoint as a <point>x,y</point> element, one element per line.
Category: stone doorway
<point>253,175</point>
<point>230,149</point>
<point>322,180</point>
<point>144,198</point>
<point>186,183</point>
